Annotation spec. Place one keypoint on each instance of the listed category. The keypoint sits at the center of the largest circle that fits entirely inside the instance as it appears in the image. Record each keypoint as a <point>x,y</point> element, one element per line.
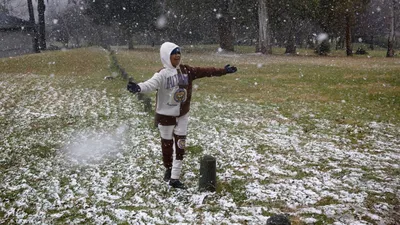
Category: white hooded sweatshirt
<point>166,82</point>
<point>174,85</point>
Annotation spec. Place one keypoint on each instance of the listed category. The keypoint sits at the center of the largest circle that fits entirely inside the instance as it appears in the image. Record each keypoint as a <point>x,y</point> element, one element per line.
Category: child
<point>174,92</point>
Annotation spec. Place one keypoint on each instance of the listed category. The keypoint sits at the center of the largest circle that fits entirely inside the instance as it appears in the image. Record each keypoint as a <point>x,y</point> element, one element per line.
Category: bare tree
<point>225,26</point>
<point>35,43</point>
<point>391,38</point>
<point>42,27</point>
<point>264,45</point>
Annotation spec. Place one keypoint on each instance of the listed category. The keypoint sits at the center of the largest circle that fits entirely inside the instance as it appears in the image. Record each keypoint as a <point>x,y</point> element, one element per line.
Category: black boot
<point>167,174</point>
<point>175,183</point>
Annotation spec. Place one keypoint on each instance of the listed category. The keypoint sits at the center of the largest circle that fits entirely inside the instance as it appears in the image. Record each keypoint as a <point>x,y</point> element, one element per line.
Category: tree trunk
<point>130,43</point>
<point>349,50</point>
<point>130,37</point>
<point>290,44</point>
<point>264,40</point>
<point>225,27</point>
<point>101,39</point>
<point>310,42</point>
<point>371,46</point>
<point>35,43</point>
<point>78,42</point>
<point>391,38</point>
<point>42,28</point>
<point>340,42</point>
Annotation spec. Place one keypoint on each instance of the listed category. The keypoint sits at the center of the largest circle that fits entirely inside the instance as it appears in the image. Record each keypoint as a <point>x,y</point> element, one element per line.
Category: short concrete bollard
<point>278,220</point>
<point>208,174</point>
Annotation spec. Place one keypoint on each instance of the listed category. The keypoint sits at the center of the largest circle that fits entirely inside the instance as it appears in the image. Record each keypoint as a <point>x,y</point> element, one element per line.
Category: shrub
<point>323,48</point>
<point>361,51</point>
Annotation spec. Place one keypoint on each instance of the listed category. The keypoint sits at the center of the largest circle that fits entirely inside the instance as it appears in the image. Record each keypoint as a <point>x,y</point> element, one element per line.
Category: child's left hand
<point>230,69</point>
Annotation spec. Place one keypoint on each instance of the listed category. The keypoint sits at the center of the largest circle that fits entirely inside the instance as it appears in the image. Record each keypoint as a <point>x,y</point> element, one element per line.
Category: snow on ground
<point>73,155</point>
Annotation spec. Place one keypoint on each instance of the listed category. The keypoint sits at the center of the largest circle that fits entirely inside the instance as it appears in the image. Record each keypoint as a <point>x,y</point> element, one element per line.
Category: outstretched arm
<point>200,72</point>
<point>152,84</point>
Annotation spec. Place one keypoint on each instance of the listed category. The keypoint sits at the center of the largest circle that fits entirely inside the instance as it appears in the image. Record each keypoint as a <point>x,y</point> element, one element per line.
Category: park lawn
<point>337,88</point>
<point>82,62</point>
<point>313,137</point>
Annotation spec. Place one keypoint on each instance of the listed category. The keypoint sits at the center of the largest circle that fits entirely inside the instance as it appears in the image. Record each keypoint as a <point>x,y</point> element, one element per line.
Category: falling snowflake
<point>161,22</point>
<point>322,37</point>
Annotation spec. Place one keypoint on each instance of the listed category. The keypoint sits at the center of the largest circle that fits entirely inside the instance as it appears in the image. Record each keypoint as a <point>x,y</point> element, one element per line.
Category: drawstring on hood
<point>165,52</point>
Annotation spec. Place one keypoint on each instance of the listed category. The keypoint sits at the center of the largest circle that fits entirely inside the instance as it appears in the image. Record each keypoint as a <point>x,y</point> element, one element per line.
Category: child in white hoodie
<point>174,92</point>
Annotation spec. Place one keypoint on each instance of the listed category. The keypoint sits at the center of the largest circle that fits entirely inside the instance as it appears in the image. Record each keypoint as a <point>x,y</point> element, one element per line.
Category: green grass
<point>245,49</point>
<point>195,150</point>
<point>321,219</point>
<point>80,62</point>
<point>85,67</point>
<point>327,201</point>
<point>235,187</point>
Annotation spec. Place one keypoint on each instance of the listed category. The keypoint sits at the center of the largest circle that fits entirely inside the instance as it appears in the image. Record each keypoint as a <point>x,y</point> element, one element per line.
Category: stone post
<point>208,174</point>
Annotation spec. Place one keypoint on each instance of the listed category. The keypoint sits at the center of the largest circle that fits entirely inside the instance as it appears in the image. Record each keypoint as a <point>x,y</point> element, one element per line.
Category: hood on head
<point>165,52</point>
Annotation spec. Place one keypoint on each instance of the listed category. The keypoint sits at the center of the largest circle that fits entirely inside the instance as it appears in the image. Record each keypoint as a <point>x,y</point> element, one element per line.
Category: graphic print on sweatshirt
<point>178,84</point>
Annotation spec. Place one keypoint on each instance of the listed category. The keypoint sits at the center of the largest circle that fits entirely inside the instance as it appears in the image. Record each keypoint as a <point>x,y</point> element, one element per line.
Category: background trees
<point>132,17</point>
<point>292,22</point>
<point>190,21</point>
<point>227,22</point>
<point>280,23</point>
<point>337,18</point>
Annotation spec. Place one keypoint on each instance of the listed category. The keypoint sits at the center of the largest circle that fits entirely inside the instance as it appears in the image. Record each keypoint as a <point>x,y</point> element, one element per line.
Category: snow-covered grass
<point>74,152</point>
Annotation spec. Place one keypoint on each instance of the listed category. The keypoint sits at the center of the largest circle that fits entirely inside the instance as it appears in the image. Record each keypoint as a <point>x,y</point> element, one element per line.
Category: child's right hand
<point>133,87</point>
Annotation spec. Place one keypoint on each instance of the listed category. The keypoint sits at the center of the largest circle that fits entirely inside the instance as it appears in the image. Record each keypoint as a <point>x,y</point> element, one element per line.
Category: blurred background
<point>355,26</point>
